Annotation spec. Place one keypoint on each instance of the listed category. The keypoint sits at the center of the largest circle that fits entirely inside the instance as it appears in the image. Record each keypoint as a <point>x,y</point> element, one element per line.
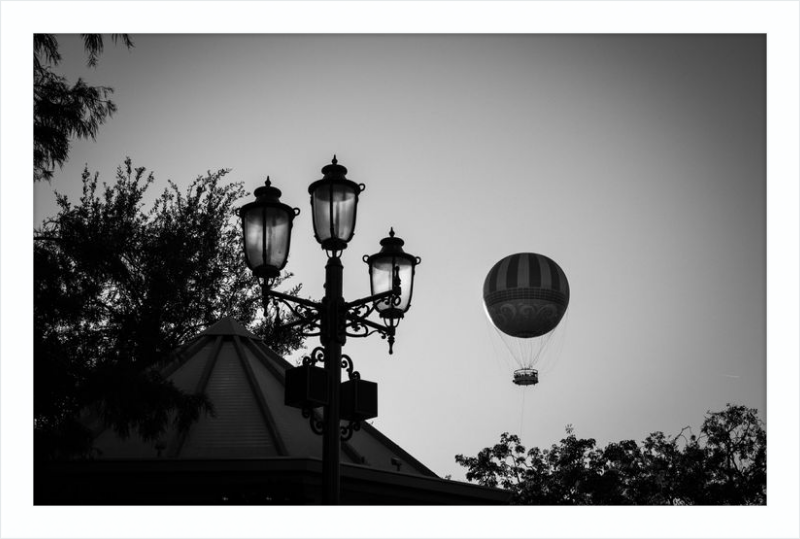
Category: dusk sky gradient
<point>636,162</point>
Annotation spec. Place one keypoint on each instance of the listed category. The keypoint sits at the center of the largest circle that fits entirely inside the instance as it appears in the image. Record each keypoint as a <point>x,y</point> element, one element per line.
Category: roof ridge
<point>229,326</point>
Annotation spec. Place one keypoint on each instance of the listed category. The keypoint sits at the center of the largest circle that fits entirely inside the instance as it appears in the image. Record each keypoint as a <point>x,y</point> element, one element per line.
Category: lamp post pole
<point>266,228</point>
<point>333,340</point>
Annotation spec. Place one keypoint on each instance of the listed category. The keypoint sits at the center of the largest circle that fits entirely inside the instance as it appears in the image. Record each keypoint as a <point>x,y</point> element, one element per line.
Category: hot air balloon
<point>525,296</point>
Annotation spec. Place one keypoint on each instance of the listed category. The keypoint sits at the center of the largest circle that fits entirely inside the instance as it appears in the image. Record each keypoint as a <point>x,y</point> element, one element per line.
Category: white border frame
<point>778,19</point>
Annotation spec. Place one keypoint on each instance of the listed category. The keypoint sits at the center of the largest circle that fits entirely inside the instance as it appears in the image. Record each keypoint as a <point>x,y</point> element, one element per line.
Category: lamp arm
<point>395,292</point>
<point>358,322</point>
<point>372,299</point>
<point>311,320</point>
<point>286,297</point>
<point>308,312</point>
<point>361,321</point>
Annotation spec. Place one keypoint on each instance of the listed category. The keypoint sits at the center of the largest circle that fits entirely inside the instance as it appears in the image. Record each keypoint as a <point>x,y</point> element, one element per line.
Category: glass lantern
<point>267,230</point>
<point>382,267</point>
<point>334,199</point>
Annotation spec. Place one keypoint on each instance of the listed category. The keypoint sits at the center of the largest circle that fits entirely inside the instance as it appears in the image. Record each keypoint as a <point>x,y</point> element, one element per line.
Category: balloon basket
<point>526,377</point>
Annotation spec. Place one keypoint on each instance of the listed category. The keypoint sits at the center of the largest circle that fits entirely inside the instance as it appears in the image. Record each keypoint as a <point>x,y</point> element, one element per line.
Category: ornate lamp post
<point>266,226</point>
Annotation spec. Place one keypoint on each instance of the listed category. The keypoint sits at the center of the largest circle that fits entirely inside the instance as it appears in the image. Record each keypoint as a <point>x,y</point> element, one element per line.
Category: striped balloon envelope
<point>526,296</point>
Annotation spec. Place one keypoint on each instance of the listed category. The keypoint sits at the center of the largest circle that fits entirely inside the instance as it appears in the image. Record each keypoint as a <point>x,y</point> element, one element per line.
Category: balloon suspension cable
<point>499,352</point>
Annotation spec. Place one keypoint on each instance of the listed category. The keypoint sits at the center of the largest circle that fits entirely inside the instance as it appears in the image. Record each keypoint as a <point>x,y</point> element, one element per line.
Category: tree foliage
<point>724,465</point>
<point>119,288</point>
<point>62,111</point>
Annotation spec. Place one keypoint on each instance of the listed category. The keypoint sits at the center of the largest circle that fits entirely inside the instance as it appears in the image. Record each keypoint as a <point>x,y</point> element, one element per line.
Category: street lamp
<point>383,266</point>
<point>267,229</point>
<point>266,226</point>
<point>334,200</point>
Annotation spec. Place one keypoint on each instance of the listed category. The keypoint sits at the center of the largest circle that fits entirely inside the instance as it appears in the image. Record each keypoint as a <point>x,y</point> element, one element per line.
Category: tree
<point>734,451</point>
<point>61,111</point>
<point>725,465</point>
<point>119,288</point>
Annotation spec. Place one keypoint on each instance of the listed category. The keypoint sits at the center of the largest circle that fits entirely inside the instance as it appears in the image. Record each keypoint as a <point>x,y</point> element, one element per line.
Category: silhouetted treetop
<point>724,465</point>
<point>62,111</point>
<point>118,287</point>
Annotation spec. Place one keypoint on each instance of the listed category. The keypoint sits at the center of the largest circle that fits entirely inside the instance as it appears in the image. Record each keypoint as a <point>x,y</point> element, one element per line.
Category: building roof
<point>253,450</point>
<point>244,380</point>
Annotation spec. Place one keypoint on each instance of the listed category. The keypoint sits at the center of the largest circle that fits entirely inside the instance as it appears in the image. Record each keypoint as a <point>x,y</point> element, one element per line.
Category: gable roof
<point>244,380</point>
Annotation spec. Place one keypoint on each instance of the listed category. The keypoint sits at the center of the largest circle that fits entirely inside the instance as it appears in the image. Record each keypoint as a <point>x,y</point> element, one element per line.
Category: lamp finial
<point>391,232</point>
<point>334,161</point>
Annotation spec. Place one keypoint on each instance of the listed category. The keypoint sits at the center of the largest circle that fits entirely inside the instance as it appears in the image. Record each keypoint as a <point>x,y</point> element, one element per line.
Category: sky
<point>636,162</point>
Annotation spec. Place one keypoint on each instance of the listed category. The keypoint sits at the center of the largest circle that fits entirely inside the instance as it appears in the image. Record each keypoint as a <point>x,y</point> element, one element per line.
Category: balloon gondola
<point>526,377</point>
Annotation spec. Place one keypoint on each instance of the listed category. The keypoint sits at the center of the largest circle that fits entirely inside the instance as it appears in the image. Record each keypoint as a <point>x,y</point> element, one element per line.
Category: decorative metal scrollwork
<point>359,330</point>
<point>349,429</point>
<point>317,356</point>
<point>360,326</point>
<point>305,313</point>
<point>317,425</point>
<point>300,311</point>
<point>305,317</point>
<point>347,363</point>
<point>363,311</point>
